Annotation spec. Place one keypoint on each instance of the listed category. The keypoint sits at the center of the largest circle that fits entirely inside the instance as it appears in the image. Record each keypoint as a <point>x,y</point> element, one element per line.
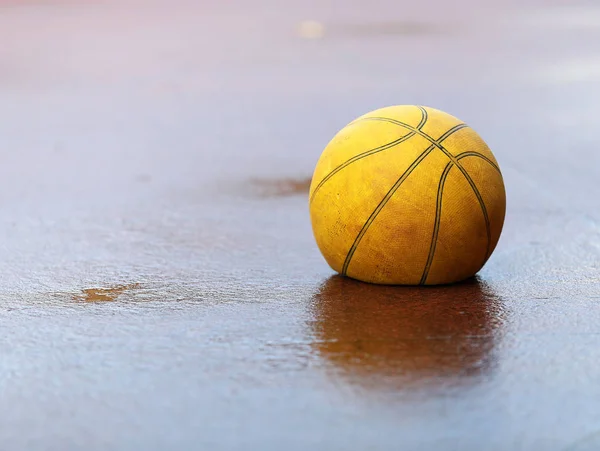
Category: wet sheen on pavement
<point>160,287</point>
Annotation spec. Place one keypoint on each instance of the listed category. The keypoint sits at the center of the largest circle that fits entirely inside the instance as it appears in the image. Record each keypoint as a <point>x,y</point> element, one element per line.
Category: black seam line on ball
<point>360,156</point>
<point>382,204</point>
<point>460,156</point>
<point>389,145</point>
<point>477,194</point>
<point>436,224</point>
<point>392,191</point>
<point>411,128</point>
<point>423,117</point>
<point>479,198</point>
<point>454,159</point>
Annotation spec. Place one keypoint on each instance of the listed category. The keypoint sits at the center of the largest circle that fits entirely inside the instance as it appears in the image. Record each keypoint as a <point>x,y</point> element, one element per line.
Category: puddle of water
<point>104,294</point>
<point>281,187</point>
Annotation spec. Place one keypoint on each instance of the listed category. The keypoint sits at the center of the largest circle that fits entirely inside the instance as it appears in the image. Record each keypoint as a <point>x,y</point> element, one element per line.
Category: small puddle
<point>104,294</point>
<point>281,187</point>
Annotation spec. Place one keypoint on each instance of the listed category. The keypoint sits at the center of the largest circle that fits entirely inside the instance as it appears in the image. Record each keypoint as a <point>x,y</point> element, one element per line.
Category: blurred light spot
<point>311,29</point>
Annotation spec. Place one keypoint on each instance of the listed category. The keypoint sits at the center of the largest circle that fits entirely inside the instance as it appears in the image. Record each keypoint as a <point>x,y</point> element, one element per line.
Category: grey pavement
<point>160,287</point>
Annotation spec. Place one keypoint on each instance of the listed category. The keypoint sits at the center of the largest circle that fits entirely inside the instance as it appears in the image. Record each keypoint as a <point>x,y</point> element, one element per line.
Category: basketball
<point>407,195</point>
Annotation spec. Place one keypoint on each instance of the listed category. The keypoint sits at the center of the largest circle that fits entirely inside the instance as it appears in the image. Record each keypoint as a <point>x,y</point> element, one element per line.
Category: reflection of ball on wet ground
<point>407,195</point>
<point>406,335</point>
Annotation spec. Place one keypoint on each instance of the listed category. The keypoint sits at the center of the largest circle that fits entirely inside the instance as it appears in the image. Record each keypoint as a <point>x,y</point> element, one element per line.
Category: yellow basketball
<point>407,195</point>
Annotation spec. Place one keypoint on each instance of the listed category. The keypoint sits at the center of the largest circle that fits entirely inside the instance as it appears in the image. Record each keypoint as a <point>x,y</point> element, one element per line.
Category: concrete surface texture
<point>160,287</point>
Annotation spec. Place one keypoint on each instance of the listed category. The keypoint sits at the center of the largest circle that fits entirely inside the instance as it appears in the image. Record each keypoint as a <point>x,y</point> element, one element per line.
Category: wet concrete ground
<point>160,286</point>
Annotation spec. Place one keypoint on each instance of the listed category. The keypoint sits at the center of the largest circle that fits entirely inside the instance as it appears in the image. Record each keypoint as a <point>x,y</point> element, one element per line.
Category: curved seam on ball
<point>420,125</point>
<point>436,225</point>
<point>424,117</point>
<point>410,127</point>
<point>460,156</point>
<point>382,204</point>
<point>438,144</point>
<point>481,203</point>
<point>392,190</point>
<point>359,157</point>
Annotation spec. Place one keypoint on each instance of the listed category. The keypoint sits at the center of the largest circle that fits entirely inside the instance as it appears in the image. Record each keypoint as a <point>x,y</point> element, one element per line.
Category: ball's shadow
<point>405,337</point>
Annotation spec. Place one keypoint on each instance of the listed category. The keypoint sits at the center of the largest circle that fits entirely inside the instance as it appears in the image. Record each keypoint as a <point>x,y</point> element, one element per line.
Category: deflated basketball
<point>407,195</point>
